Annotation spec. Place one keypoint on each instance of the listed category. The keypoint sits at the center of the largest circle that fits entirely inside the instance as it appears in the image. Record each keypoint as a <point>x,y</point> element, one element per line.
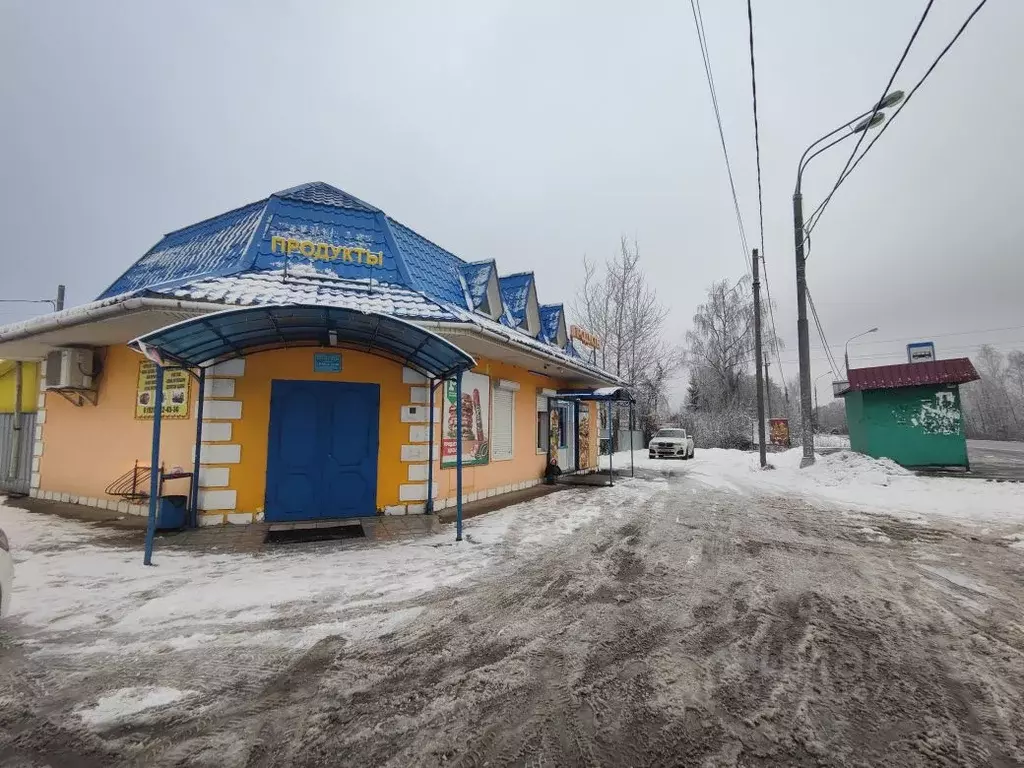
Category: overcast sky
<point>534,133</point>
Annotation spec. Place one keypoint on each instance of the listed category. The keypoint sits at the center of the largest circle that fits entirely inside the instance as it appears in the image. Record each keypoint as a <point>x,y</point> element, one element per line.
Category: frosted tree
<point>618,304</point>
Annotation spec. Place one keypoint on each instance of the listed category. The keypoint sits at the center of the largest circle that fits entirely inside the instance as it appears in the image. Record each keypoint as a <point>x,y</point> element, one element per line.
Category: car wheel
<point>691,453</point>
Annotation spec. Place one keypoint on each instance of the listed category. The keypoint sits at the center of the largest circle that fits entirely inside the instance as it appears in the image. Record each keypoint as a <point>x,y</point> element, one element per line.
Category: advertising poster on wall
<point>556,433</point>
<point>476,419</point>
<point>176,392</point>
<point>584,439</point>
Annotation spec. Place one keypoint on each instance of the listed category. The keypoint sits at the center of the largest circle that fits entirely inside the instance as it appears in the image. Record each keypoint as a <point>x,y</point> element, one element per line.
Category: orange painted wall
<point>527,463</point>
<point>249,476</point>
<point>86,448</point>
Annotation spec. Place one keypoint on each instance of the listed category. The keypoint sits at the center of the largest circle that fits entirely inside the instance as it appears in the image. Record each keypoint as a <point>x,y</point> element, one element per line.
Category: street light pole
<point>864,121</point>
<point>846,351</point>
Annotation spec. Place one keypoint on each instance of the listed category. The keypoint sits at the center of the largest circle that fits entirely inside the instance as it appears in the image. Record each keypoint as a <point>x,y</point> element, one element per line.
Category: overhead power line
<point>760,203</point>
<point>813,220</point>
<point>878,102</point>
<point>698,21</point>
<point>821,334</point>
<point>903,355</point>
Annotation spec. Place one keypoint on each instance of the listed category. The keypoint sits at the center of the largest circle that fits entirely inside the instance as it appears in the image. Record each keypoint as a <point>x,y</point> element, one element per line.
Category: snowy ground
<point>706,609</point>
<point>853,481</point>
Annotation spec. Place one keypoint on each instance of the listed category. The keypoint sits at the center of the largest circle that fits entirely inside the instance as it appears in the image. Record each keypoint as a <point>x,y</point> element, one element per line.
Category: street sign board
<point>921,352</point>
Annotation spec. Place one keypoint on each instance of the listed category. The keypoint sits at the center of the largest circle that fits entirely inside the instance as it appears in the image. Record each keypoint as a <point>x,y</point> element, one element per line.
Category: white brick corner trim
<point>220,453</point>
<point>214,500</point>
<point>229,368</point>
<point>409,376</point>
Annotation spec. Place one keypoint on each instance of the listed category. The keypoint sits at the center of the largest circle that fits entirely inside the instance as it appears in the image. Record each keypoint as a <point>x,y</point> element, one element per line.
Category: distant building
<point>910,413</point>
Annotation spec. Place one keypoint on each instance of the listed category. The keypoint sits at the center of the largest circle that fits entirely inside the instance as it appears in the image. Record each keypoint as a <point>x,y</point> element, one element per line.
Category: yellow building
<point>313,333</point>
<point>29,386</point>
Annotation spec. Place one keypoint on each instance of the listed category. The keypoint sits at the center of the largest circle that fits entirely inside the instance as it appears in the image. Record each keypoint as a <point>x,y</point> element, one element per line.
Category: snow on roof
<point>477,276</point>
<point>516,336</point>
<point>306,285</point>
<point>515,292</point>
<point>216,243</point>
<point>550,317</point>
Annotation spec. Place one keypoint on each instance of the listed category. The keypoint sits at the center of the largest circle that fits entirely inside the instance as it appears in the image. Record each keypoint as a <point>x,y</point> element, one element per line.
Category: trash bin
<point>171,513</point>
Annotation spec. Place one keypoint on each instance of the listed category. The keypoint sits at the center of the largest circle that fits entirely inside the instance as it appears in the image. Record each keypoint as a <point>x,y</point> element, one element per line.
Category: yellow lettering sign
<point>584,337</point>
<point>349,254</point>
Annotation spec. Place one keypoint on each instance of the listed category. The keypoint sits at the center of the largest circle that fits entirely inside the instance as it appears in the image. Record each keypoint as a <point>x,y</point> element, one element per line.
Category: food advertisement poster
<point>476,420</point>
<point>177,384</point>
<point>556,433</point>
<point>779,432</point>
<point>584,441</point>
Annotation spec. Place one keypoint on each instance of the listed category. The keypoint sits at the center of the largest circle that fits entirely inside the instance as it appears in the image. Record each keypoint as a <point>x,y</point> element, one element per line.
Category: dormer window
<point>519,295</point>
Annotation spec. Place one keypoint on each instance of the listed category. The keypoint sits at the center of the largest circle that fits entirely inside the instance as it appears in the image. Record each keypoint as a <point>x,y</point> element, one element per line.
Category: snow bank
<point>851,480</point>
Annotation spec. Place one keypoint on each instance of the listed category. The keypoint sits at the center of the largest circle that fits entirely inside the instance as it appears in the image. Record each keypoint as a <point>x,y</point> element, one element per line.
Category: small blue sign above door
<point>327,362</point>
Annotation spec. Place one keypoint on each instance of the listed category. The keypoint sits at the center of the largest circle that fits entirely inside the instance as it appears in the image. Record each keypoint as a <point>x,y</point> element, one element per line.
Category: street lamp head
<point>869,122</point>
<point>873,330</point>
<point>890,100</point>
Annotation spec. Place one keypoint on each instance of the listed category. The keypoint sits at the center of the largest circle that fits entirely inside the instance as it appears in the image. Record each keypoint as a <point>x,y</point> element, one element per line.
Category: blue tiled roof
<point>432,269</point>
<point>515,292</point>
<point>205,248</point>
<point>550,315</point>
<point>325,194</point>
<point>325,235</point>
<point>477,276</point>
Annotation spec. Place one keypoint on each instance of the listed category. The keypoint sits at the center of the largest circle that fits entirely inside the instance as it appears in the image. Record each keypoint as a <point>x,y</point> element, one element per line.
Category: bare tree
<point>722,339</point>
<point>618,304</point>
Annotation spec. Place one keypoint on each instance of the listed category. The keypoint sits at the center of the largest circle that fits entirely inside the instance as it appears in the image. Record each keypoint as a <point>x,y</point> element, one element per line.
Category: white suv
<point>671,444</point>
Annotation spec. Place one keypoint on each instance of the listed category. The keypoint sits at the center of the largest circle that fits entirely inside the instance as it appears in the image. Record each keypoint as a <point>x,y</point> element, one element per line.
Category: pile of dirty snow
<point>844,468</point>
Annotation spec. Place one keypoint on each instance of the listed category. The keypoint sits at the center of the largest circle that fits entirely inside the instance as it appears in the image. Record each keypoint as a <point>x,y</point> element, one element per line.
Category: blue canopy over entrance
<point>202,341</point>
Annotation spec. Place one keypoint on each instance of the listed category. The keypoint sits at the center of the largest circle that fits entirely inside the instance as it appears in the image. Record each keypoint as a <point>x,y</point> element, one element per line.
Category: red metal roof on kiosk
<point>956,371</point>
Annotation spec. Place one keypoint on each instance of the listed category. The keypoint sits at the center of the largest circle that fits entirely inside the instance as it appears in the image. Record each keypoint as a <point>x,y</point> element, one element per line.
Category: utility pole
<point>802,337</point>
<point>757,360</point>
<point>59,303</point>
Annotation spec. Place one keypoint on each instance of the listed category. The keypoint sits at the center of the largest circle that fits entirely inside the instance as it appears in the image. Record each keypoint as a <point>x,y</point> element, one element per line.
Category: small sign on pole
<point>778,430</point>
<point>921,352</point>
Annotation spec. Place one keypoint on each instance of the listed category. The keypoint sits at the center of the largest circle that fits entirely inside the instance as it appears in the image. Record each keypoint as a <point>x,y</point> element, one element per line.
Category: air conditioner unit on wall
<point>69,369</point>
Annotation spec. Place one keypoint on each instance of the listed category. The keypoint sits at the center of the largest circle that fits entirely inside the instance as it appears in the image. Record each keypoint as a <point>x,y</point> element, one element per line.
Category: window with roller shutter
<point>503,415</point>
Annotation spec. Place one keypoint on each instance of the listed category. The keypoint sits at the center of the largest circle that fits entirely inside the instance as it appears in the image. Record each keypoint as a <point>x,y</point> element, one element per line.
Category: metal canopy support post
<point>458,457</point>
<point>632,471</point>
<point>547,452</point>
<point>430,449</point>
<point>611,447</point>
<point>154,466</point>
<point>14,469</point>
<point>193,502</point>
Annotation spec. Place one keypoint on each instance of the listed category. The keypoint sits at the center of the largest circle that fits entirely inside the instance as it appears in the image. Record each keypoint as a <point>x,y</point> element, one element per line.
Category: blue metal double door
<point>322,450</point>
